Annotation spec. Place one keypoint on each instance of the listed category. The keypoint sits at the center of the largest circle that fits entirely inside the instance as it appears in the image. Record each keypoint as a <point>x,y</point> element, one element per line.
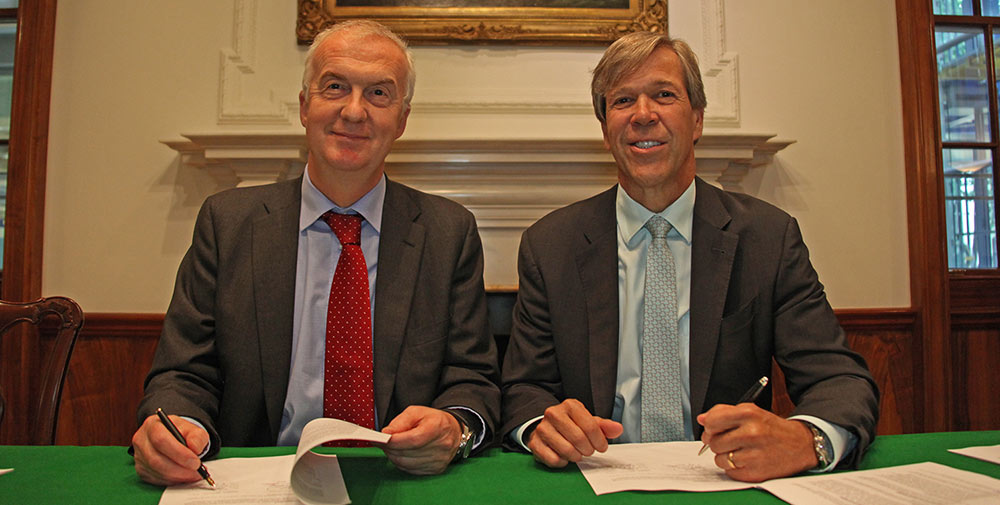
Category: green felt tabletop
<point>69,474</point>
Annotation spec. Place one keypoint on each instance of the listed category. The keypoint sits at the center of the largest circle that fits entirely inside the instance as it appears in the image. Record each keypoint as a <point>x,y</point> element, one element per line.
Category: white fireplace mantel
<point>507,184</point>
<point>260,158</point>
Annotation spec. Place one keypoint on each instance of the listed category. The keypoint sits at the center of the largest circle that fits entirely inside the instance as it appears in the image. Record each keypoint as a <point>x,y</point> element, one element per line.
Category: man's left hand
<point>424,440</point>
<point>753,445</point>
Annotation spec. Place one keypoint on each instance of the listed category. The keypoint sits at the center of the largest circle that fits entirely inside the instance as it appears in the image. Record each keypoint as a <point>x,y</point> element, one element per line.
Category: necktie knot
<point>347,227</point>
<point>658,227</point>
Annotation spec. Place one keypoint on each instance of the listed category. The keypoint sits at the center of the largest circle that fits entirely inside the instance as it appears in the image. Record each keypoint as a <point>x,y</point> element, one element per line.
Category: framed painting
<point>491,21</point>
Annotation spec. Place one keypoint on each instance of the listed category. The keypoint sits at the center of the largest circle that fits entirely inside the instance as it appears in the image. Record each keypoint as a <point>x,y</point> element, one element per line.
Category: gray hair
<point>628,53</point>
<point>361,27</point>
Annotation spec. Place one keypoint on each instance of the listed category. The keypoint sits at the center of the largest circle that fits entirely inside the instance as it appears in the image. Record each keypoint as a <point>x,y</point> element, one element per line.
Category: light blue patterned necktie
<point>662,411</point>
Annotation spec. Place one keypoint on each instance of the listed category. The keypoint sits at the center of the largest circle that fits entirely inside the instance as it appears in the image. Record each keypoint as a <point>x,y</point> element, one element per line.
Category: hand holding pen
<point>180,438</point>
<point>750,396</point>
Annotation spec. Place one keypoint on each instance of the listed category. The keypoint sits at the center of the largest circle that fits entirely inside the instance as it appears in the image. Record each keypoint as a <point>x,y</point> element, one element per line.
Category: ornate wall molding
<point>247,98</point>
<point>243,98</point>
<point>721,73</point>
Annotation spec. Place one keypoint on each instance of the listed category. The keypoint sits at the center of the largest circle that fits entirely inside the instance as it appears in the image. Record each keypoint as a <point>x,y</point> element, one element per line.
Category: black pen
<point>180,438</point>
<point>750,396</point>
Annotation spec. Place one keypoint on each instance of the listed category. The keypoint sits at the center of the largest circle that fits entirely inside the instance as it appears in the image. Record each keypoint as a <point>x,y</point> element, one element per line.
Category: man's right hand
<point>569,432</point>
<point>160,459</point>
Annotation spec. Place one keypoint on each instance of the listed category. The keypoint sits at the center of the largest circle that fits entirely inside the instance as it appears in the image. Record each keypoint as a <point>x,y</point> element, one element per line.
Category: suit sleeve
<point>531,378</point>
<point>185,378</point>
<point>469,374</point>
<point>825,378</point>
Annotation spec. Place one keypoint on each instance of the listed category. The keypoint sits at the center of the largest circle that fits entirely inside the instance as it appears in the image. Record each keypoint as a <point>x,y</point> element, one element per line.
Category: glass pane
<point>8,30</point>
<point>991,7</point>
<point>953,7</point>
<point>962,84</point>
<point>3,196</point>
<point>969,208</point>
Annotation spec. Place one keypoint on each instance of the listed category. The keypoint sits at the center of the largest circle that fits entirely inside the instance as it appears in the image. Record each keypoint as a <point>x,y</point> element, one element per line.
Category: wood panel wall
<point>104,384</point>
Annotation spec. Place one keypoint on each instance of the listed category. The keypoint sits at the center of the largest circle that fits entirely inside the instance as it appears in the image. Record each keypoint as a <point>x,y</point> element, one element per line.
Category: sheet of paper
<point>989,453</point>
<point>238,480</point>
<point>316,478</point>
<point>305,477</point>
<point>658,466</point>
<point>917,484</point>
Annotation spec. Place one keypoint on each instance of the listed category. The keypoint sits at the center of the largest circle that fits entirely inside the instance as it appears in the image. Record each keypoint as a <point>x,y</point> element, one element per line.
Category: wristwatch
<point>822,447</point>
<point>467,441</point>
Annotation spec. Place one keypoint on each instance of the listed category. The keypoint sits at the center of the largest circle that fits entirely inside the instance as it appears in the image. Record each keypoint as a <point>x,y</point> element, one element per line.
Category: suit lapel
<point>597,262</point>
<point>274,242</point>
<point>401,244</point>
<point>713,250</point>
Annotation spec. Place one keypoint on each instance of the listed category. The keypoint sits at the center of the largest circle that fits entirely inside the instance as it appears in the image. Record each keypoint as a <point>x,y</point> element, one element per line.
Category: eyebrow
<point>333,75</point>
<point>654,84</point>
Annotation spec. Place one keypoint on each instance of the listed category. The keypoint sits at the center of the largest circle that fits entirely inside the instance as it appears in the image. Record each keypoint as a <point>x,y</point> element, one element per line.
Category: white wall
<point>120,206</point>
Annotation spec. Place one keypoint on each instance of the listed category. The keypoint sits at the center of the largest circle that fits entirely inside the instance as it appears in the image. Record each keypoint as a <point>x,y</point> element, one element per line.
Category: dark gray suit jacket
<point>224,354</point>
<point>754,297</point>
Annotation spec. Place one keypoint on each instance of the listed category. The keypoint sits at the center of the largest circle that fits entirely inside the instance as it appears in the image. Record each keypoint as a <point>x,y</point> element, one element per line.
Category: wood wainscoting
<point>114,353</point>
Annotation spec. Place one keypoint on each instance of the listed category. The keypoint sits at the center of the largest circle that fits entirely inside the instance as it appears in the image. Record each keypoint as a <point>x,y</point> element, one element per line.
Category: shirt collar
<point>632,216</point>
<point>315,204</point>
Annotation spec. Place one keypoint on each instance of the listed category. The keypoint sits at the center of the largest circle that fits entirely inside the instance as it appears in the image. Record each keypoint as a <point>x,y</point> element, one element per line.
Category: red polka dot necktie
<point>348,387</point>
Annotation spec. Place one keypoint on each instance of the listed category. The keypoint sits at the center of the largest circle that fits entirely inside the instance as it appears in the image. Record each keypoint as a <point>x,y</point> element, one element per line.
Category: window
<point>967,42</point>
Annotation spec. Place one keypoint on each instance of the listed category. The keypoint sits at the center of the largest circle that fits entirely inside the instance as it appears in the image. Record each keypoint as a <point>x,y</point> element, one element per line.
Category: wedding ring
<point>731,462</point>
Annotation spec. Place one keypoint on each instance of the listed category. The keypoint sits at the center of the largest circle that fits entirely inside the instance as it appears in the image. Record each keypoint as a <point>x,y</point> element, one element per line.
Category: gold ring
<point>731,462</point>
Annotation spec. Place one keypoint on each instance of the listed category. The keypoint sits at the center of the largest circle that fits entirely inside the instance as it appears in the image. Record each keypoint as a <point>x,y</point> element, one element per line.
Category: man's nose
<point>354,110</point>
<point>643,113</point>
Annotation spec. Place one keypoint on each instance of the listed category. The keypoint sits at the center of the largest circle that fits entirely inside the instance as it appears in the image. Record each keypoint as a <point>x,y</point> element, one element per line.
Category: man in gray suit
<point>645,312</point>
<point>246,337</point>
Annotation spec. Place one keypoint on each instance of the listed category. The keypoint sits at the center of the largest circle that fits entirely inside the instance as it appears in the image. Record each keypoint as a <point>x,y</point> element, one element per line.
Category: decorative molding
<point>240,99</point>
<point>244,99</point>
<point>721,74</point>
<point>454,167</point>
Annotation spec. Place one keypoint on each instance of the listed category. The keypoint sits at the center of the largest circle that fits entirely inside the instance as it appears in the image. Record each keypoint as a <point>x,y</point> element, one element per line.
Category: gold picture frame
<point>538,22</point>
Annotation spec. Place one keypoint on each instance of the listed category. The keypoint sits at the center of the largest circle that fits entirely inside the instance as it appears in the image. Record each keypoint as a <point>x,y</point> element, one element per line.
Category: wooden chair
<point>43,430</point>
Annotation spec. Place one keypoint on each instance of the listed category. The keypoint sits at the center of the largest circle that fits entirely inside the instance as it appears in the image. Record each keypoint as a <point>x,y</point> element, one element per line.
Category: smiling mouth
<point>646,144</point>
<point>352,136</point>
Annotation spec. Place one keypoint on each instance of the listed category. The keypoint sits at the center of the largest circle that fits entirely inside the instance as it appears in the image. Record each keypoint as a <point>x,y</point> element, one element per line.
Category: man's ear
<point>303,107</point>
<point>699,124</point>
<point>402,121</point>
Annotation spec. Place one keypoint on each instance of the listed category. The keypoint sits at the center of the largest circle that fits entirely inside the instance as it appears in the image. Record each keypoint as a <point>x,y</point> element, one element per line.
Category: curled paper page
<point>306,477</point>
<point>316,478</point>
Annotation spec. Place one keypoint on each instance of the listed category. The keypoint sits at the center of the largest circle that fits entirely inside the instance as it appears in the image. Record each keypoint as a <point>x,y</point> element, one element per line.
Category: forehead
<point>372,55</point>
<point>662,66</point>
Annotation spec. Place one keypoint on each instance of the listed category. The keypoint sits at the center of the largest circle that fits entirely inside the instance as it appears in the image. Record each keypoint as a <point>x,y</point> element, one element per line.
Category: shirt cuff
<point>202,426</point>
<point>480,430</point>
<point>517,434</point>
<point>841,440</point>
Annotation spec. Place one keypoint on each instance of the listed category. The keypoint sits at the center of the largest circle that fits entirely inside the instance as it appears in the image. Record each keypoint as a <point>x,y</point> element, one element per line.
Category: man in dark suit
<point>644,313</point>
<point>259,314</point>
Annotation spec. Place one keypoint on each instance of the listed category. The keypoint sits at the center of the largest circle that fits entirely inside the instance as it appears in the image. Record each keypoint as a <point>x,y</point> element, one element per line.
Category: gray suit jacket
<point>223,357</point>
<point>754,297</point>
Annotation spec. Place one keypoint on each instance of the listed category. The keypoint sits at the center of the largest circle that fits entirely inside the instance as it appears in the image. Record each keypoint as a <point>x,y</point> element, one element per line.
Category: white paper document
<point>989,453</point>
<point>676,466</point>
<point>660,466</point>
<point>305,477</point>
<point>917,484</point>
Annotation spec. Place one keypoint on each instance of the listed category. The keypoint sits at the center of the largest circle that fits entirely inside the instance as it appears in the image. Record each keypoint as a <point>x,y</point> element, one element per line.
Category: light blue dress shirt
<point>318,253</point>
<point>315,264</point>
<point>633,242</point>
